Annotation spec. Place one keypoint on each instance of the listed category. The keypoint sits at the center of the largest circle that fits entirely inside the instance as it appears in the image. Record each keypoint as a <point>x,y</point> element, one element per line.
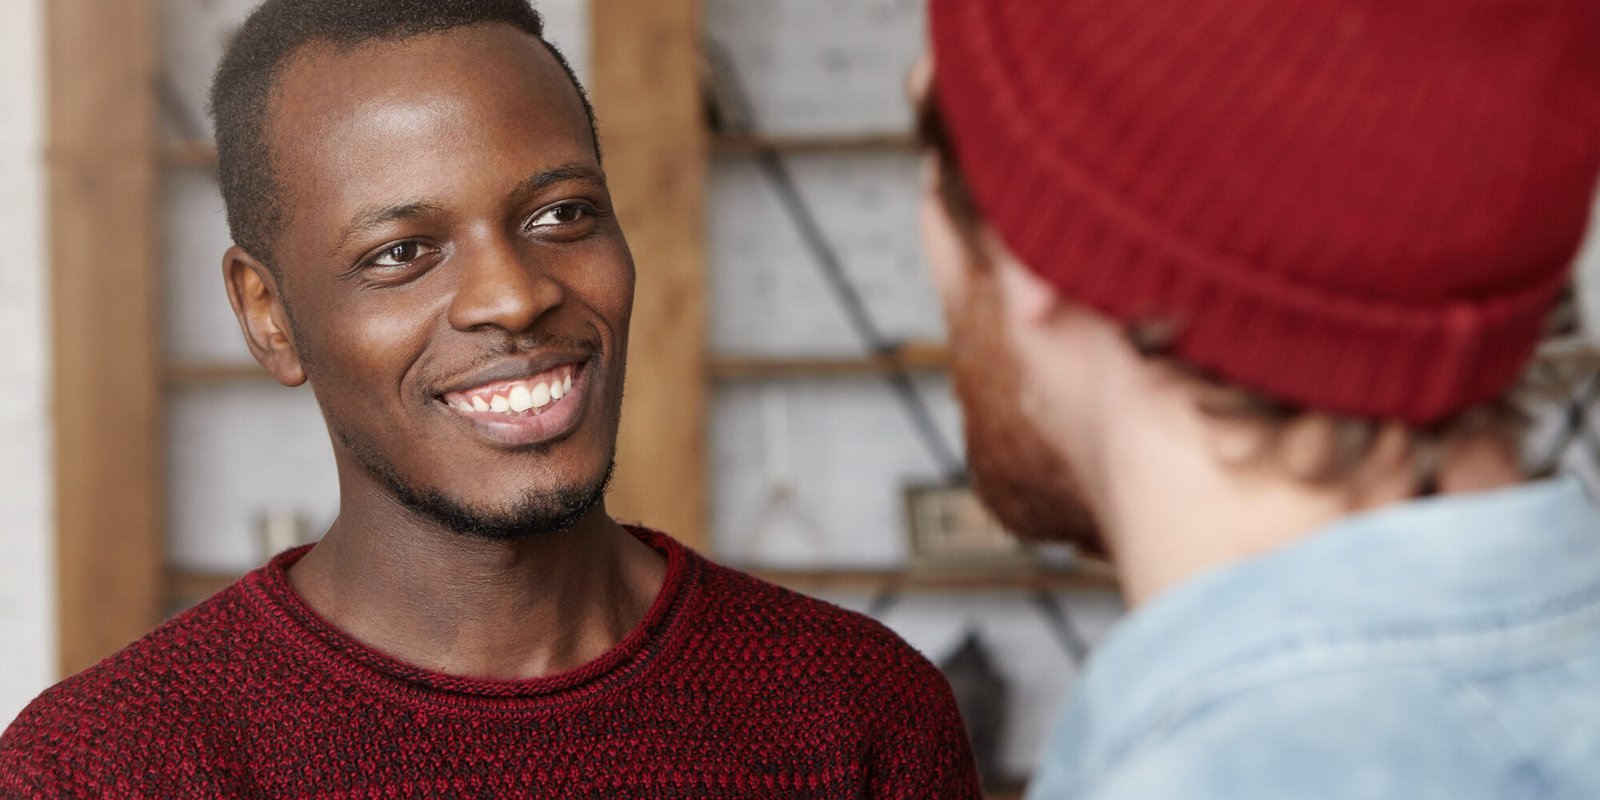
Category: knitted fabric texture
<point>1360,206</point>
<point>729,688</point>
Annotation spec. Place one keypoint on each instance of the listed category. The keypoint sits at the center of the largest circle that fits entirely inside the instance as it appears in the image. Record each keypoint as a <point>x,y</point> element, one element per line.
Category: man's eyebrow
<point>530,187</point>
<point>375,218</point>
<point>544,179</point>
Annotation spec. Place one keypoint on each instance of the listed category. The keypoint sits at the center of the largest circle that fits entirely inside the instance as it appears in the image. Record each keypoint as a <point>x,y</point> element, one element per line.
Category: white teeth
<point>522,399</point>
<point>521,396</point>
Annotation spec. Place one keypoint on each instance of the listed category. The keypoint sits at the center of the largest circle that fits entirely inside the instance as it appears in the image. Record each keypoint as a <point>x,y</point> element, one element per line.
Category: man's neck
<point>1173,507</point>
<point>446,602</point>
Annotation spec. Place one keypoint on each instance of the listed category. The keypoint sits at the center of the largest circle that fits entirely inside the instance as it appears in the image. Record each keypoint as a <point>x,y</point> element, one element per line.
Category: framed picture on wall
<point>950,529</point>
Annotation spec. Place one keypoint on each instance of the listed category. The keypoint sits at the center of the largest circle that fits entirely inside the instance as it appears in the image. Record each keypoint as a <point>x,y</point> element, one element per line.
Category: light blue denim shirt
<point>1443,648</point>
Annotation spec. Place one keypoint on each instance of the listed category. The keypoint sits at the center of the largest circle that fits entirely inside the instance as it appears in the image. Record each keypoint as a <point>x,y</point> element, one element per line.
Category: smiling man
<point>424,234</point>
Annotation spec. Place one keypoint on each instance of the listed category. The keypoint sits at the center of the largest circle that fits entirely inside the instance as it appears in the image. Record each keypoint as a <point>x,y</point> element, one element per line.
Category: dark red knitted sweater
<point>729,688</point>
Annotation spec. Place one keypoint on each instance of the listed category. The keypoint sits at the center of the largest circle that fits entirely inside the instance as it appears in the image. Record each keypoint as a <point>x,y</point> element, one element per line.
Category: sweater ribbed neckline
<point>305,630</point>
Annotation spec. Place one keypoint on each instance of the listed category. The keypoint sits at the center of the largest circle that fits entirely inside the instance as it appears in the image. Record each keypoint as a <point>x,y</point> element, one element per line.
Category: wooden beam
<point>646,59</point>
<point>102,173</point>
<point>910,358</point>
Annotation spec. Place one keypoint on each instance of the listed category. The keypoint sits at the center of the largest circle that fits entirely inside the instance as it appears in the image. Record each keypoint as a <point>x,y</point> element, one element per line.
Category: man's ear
<point>1033,299</point>
<point>258,305</point>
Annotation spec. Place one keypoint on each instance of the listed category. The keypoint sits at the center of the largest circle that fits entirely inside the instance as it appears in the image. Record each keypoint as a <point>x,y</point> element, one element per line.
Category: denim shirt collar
<point>1428,559</point>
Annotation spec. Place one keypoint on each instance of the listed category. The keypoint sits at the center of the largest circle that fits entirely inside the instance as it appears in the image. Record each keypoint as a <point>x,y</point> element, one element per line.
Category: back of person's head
<point>242,90</point>
<point>1360,208</point>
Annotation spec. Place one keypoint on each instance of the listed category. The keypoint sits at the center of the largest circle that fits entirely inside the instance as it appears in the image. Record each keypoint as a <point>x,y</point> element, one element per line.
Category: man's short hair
<point>274,32</point>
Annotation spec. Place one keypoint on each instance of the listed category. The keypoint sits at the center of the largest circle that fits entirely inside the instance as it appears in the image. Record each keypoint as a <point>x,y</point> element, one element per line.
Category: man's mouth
<point>523,397</point>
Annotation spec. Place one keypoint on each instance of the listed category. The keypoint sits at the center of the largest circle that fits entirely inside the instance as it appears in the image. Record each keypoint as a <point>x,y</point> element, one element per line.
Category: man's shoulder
<point>1313,738</point>
<point>795,629</point>
<point>840,670</point>
<point>140,694</point>
<point>1400,730</point>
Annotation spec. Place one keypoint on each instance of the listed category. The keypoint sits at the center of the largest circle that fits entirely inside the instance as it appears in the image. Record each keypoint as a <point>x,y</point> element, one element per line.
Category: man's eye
<point>398,255</point>
<point>564,214</point>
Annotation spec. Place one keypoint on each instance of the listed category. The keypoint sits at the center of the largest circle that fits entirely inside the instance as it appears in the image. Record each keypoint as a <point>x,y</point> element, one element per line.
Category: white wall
<point>1588,276</point>
<point>27,572</point>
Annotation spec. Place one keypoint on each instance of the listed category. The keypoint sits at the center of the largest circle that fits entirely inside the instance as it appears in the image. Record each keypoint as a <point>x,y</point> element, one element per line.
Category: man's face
<point>1026,483</point>
<point>458,287</point>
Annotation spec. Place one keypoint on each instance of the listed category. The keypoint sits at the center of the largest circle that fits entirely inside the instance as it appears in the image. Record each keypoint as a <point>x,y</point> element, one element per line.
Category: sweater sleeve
<point>922,752</point>
<point>34,764</point>
<point>25,779</point>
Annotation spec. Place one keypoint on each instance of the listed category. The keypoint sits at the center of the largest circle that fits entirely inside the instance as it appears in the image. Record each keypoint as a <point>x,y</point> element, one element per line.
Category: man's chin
<point>518,513</point>
<point>532,515</point>
<point>1038,514</point>
<point>1026,483</point>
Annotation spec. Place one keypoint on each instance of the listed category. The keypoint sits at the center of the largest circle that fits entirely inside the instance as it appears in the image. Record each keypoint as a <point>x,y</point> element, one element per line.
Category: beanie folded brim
<point>1312,345</point>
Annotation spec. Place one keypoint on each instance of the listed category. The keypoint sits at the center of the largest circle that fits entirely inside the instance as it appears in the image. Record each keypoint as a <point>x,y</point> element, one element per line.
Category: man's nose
<point>503,285</point>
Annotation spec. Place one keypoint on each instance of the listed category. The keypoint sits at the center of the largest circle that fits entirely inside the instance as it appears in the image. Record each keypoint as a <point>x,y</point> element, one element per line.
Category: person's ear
<point>258,304</point>
<point>919,79</point>
<point>947,255</point>
<point>1033,299</point>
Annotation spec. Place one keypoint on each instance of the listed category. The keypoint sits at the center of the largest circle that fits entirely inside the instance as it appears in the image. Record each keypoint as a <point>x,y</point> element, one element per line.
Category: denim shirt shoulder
<point>1446,647</point>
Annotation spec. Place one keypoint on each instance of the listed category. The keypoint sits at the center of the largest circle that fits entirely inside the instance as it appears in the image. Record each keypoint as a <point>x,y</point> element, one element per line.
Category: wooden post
<point>646,59</point>
<point>102,182</point>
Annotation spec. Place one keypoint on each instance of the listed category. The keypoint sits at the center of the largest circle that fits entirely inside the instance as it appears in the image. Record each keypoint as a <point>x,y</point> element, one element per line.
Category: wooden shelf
<point>872,142</point>
<point>914,358</point>
<point>1087,578</point>
<point>188,586</point>
<point>193,586</point>
<point>202,373</point>
<point>908,358</point>
<point>189,154</point>
<point>204,154</point>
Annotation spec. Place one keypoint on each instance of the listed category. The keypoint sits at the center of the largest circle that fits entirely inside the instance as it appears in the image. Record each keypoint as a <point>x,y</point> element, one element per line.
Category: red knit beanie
<point>1360,206</point>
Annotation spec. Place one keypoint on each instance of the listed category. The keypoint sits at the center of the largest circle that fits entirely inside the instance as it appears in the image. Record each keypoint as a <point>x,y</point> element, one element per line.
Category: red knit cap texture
<point>1361,206</point>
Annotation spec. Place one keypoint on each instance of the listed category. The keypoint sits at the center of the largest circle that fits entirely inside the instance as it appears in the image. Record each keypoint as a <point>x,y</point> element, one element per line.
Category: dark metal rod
<point>1067,635</point>
<point>1576,419</point>
<point>735,111</point>
<point>855,309</point>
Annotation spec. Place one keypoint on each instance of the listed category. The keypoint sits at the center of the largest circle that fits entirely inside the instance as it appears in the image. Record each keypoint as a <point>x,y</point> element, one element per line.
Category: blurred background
<point>788,410</point>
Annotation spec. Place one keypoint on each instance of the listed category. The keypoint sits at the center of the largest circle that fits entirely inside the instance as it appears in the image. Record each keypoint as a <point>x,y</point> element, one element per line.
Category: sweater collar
<point>290,617</point>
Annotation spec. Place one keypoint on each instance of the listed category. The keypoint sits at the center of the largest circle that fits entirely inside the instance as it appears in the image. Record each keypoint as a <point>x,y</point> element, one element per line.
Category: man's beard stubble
<point>1028,486</point>
<point>525,517</point>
